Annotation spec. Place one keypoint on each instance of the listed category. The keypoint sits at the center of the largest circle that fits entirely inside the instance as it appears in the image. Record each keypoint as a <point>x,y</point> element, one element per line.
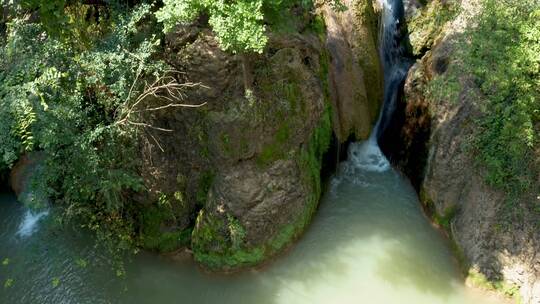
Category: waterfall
<point>394,58</point>
<point>29,223</point>
<point>393,53</point>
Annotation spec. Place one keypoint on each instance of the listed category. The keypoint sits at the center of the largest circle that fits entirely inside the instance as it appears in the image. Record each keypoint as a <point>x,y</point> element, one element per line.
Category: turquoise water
<point>369,243</point>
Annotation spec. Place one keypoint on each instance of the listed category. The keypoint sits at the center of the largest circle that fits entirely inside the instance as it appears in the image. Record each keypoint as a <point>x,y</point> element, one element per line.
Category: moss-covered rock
<point>441,93</point>
<point>248,165</point>
<point>221,241</point>
<point>427,23</point>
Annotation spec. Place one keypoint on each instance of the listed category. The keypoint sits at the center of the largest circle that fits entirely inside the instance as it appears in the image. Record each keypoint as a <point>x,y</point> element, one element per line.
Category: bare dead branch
<point>164,88</point>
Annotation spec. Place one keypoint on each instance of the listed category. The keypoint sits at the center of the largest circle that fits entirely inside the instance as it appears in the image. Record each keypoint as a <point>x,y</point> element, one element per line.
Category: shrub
<point>66,101</point>
<point>501,51</point>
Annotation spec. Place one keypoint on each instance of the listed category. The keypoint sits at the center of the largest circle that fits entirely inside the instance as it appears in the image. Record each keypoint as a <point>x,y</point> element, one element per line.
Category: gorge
<point>328,165</point>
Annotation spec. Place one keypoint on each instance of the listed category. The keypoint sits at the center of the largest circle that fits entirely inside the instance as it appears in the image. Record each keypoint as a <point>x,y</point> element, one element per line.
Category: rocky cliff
<point>239,178</point>
<point>355,70</point>
<point>434,150</point>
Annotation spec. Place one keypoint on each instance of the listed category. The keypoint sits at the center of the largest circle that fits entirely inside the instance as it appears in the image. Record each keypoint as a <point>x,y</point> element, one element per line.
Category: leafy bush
<point>239,25</point>
<point>501,51</point>
<point>66,101</point>
<point>504,57</point>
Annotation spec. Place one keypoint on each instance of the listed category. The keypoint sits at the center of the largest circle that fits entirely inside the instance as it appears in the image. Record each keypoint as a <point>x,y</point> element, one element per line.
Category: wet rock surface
<point>355,70</point>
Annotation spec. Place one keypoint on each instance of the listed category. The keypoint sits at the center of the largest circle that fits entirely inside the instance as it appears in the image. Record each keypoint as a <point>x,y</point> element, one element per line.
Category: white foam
<point>368,156</point>
<point>29,224</point>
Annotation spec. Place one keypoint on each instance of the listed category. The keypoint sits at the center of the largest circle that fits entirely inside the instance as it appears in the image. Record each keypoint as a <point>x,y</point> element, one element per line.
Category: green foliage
<point>55,282</point>
<point>154,238</point>
<point>65,101</point>
<point>227,249</point>
<point>50,12</point>
<point>506,66</point>
<point>502,54</point>
<point>72,21</point>
<point>240,25</point>
<point>82,263</point>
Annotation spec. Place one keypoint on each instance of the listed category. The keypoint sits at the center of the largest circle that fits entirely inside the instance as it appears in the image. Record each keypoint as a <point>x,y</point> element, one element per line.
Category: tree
<point>238,25</point>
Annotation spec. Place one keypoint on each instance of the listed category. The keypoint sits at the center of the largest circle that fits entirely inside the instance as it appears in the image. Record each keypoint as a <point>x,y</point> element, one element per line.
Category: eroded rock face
<point>239,178</point>
<point>242,172</point>
<point>451,180</point>
<point>266,153</point>
<point>355,69</point>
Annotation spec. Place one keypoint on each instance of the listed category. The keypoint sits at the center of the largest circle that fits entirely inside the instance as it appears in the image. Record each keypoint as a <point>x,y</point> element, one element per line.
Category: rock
<point>450,179</point>
<point>240,176</point>
<point>266,154</point>
<point>412,8</point>
<point>355,69</point>
<point>22,179</point>
<point>242,172</point>
<point>426,22</point>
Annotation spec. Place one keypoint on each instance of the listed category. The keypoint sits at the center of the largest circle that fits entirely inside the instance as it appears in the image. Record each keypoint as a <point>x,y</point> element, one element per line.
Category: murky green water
<point>369,243</point>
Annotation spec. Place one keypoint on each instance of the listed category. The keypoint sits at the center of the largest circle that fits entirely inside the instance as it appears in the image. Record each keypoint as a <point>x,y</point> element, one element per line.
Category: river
<point>368,243</point>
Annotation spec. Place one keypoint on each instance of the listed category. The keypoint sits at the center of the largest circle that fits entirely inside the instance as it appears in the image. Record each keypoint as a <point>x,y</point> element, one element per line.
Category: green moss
<point>226,144</point>
<point>218,241</point>
<point>479,280</point>
<point>291,92</point>
<point>425,27</point>
<point>170,241</point>
<point>444,220</point>
<point>277,149</point>
<point>318,26</point>
<point>311,156</point>
<point>153,238</point>
<point>324,72</point>
<point>205,182</point>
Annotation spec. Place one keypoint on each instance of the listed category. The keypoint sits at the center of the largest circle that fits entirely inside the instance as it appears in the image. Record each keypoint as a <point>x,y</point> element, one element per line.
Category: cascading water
<point>367,155</point>
<point>394,58</point>
<point>30,221</point>
<point>37,209</point>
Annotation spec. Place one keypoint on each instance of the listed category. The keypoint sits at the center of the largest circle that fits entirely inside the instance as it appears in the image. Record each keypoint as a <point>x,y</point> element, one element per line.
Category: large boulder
<point>238,179</point>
